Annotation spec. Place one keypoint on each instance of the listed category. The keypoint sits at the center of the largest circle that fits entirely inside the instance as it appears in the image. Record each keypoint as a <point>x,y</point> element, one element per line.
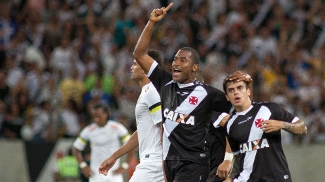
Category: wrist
<point>152,22</point>
<point>83,164</point>
<point>284,125</point>
<point>228,156</point>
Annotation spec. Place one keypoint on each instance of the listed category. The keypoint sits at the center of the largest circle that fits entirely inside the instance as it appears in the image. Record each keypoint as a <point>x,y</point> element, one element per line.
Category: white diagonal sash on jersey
<point>185,108</point>
<point>255,134</point>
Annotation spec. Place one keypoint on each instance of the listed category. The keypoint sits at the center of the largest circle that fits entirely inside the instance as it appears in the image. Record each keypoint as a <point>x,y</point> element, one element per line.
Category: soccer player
<point>254,134</point>
<point>147,136</point>
<point>187,105</point>
<point>220,162</point>
<point>105,137</point>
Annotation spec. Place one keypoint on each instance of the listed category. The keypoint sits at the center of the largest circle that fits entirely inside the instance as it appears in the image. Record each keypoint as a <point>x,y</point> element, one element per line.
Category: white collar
<point>183,85</point>
<point>246,111</point>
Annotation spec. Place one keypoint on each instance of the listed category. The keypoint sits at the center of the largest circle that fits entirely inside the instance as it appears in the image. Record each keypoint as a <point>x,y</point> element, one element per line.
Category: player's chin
<point>177,79</point>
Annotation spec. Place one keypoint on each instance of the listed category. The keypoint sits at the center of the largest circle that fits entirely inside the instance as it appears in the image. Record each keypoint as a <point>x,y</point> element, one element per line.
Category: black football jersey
<point>216,139</point>
<point>262,158</point>
<point>186,115</point>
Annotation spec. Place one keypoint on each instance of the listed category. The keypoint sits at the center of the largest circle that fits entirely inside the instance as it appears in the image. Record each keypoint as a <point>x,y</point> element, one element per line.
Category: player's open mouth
<point>176,71</point>
<point>237,99</point>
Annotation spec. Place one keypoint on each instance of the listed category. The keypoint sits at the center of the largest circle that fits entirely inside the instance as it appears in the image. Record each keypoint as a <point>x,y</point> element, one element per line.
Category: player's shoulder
<point>150,88</point>
<point>90,127</point>
<point>207,87</point>
<point>114,125</point>
<point>267,104</point>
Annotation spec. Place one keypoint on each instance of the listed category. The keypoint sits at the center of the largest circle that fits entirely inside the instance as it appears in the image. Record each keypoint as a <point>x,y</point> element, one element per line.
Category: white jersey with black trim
<point>104,141</point>
<point>262,156</point>
<point>187,112</point>
<point>148,116</point>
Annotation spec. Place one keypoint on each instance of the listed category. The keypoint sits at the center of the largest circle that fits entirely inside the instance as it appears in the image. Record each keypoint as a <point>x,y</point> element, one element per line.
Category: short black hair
<point>157,56</point>
<point>194,54</point>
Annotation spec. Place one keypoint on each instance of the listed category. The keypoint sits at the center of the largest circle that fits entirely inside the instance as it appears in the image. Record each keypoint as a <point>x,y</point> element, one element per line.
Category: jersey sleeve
<point>81,141</point>
<point>279,113</point>
<point>220,103</point>
<point>158,76</point>
<point>216,118</point>
<point>154,105</point>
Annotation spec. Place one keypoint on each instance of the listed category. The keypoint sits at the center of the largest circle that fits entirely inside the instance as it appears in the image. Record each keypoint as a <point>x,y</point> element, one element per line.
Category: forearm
<point>77,154</point>
<point>131,144</point>
<point>228,148</point>
<point>141,48</point>
<point>235,166</point>
<point>297,128</point>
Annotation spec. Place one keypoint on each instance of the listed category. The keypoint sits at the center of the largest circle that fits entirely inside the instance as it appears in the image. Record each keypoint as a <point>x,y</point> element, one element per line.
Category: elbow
<point>75,151</point>
<point>136,54</point>
<point>139,54</point>
<point>305,130</point>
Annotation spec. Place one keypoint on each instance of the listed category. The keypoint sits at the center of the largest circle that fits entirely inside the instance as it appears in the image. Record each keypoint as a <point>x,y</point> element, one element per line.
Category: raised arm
<point>141,48</point>
<point>131,144</point>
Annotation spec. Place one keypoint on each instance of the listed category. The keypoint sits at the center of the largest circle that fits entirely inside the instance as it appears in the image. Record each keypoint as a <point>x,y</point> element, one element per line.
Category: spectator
<point>15,73</point>
<point>40,122</point>
<point>4,88</point>
<point>67,168</point>
<point>72,88</point>
<point>13,121</point>
<point>69,120</point>
<point>2,115</point>
<point>316,132</point>
<point>62,58</point>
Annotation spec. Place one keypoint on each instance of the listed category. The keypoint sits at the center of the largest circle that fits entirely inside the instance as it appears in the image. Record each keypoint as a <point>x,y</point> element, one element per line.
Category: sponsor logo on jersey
<point>241,122</point>
<point>254,145</point>
<point>182,93</point>
<point>114,126</point>
<point>92,127</point>
<point>178,117</point>
<point>258,122</point>
<point>193,100</point>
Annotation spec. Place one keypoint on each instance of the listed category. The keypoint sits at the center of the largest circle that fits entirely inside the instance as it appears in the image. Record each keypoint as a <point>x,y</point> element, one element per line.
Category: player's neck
<point>244,107</point>
<point>144,81</point>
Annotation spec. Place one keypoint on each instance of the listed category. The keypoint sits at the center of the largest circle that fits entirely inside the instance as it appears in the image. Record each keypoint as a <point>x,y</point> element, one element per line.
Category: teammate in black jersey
<point>220,162</point>
<point>187,105</point>
<point>254,133</point>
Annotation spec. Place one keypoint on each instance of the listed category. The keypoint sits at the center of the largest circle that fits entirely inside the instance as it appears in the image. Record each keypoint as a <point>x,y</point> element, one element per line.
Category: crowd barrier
<point>33,162</point>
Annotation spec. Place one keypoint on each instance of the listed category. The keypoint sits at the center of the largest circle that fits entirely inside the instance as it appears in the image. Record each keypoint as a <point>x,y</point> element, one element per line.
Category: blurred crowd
<point>59,57</point>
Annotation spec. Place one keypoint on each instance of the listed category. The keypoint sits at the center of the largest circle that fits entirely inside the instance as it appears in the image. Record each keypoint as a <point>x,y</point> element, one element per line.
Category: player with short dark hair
<point>254,134</point>
<point>105,136</point>
<point>187,105</point>
<point>147,136</point>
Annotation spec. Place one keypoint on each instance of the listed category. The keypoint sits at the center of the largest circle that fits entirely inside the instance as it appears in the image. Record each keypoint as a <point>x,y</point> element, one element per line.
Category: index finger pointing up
<point>169,6</point>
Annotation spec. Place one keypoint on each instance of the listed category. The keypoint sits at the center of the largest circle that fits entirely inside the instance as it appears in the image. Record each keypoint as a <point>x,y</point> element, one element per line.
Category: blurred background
<point>59,57</point>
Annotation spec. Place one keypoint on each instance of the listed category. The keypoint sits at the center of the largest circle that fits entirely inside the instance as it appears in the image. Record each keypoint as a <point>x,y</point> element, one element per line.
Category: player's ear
<point>195,67</point>
<point>227,97</point>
